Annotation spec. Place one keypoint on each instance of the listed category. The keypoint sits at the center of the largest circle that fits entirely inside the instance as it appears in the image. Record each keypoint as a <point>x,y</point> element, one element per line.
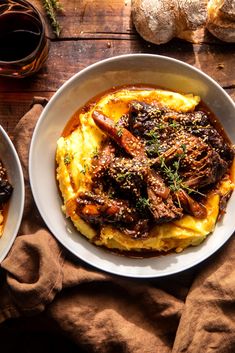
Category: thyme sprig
<point>142,204</point>
<point>153,142</point>
<point>56,5</point>
<point>51,7</point>
<point>172,173</point>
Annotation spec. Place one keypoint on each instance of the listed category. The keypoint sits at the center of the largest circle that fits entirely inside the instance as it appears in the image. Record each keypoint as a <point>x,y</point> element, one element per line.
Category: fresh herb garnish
<point>119,129</point>
<point>172,173</point>
<point>85,169</point>
<point>153,143</point>
<point>142,203</point>
<point>67,159</point>
<point>95,153</point>
<point>153,136</point>
<point>51,7</point>
<point>122,176</point>
<point>175,182</point>
<point>173,177</point>
<point>173,124</point>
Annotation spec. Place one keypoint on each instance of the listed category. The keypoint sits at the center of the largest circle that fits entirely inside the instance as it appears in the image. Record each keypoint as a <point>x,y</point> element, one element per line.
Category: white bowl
<point>127,69</point>
<point>12,164</point>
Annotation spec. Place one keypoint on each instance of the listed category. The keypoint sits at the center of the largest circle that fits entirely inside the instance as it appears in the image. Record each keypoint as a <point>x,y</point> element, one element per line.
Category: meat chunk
<point>150,170</point>
<point>198,123</point>
<point>102,161</point>
<point>201,165</point>
<point>6,188</point>
<point>5,191</point>
<point>162,206</point>
<point>207,155</point>
<point>98,209</point>
<point>120,135</point>
<point>191,206</point>
<point>129,174</point>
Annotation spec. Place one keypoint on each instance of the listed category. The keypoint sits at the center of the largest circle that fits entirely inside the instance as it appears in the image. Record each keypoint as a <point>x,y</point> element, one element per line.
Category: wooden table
<point>98,29</point>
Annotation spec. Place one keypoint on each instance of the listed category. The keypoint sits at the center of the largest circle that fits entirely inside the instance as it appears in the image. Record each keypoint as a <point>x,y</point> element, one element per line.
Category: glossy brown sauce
<point>74,121</point>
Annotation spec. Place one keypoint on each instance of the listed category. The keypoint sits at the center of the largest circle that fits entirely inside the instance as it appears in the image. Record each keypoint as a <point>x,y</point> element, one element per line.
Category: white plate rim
<point>21,187</point>
<point>33,186</point>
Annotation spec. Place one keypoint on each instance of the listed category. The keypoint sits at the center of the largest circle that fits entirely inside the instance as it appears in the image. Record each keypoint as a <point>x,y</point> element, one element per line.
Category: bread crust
<point>221,19</point>
<point>227,9</point>
<point>192,17</point>
<point>152,27</point>
<point>158,21</point>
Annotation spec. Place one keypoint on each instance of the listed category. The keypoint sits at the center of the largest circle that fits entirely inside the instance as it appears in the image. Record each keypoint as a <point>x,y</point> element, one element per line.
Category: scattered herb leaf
<point>67,159</point>
<point>85,169</point>
<point>142,203</point>
<point>95,153</point>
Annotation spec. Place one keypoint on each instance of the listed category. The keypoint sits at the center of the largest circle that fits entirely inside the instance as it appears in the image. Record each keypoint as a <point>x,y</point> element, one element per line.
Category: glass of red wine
<point>24,46</point>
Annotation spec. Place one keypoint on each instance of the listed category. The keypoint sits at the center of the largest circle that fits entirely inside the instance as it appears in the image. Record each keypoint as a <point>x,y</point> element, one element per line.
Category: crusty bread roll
<point>227,9</point>
<point>221,19</point>
<point>158,21</point>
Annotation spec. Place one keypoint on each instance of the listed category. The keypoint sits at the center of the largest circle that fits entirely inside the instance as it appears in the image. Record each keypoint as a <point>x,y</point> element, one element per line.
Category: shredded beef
<point>153,167</point>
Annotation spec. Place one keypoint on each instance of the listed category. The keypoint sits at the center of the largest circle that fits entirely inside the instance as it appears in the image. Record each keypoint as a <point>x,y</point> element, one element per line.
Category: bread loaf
<point>158,21</point>
<point>221,19</point>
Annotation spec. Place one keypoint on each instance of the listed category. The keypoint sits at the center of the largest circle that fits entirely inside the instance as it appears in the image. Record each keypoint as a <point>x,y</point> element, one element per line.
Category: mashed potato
<point>74,155</point>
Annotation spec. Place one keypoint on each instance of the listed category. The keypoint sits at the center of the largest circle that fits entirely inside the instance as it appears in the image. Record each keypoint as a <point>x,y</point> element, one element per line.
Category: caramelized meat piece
<point>156,183</point>
<point>198,123</point>
<point>120,135</point>
<point>162,206</point>
<point>98,209</point>
<point>139,229</point>
<point>102,161</point>
<point>6,188</point>
<point>207,155</point>
<point>128,174</point>
<point>191,206</point>
<point>5,191</point>
<point>201,165</point>
<point>143,117</point>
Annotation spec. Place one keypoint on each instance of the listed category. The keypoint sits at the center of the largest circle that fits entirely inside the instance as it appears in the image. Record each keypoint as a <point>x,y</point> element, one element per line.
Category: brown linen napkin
<point>104,313</point>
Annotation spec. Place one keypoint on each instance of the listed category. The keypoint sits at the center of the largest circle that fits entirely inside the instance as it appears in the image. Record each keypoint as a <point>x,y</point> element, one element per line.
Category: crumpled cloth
<point>193,311</point>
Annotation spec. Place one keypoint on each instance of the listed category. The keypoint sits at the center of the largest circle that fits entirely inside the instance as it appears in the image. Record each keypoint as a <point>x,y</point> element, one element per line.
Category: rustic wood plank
<point>68,57</point>
<point>97,18</point>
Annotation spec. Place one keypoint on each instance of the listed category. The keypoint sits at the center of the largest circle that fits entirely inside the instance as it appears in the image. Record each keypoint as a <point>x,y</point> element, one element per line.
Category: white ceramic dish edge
<point>16,203</point>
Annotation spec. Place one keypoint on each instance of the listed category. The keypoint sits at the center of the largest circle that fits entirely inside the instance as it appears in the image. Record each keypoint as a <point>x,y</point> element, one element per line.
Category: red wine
<point>19,36</point>
<point>24,46</point>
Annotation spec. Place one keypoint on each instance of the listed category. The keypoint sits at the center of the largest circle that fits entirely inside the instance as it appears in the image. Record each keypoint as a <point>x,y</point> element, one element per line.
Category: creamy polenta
<point>75,154</point>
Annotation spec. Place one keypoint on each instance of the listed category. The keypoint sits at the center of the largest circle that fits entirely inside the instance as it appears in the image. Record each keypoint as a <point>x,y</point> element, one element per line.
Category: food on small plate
<point>143,170</point>
<point>5,194</point>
